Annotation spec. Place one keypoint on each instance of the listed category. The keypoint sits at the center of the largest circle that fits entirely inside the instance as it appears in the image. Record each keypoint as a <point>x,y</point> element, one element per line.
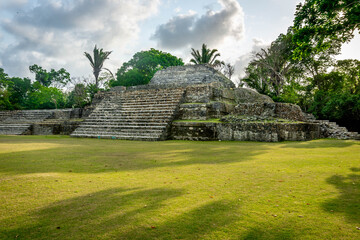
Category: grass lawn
<point>54,187</point>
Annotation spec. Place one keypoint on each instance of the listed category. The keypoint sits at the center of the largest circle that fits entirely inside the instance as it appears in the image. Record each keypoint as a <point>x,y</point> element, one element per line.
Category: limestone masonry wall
<point>190,75</point>
<point>264,132</point>
<point>277,110</point>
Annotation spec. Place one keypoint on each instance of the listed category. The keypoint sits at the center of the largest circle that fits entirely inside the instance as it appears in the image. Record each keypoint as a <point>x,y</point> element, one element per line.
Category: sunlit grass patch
<point>55,187</point>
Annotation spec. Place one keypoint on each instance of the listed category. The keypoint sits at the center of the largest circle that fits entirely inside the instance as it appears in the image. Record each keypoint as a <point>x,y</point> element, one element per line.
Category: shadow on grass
<point>348,202</point>
<point>94,156</point>
<point>91,215</point>
<point>321,143</point>
<point>195,224</point>
<point>275,230</point>
<point>120,214</point>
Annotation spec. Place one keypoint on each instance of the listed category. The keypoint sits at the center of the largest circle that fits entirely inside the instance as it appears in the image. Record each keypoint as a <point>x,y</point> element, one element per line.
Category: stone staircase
<point>14,129</point>
<point>134,114</point>
<point>19,122</point>
<point>6,114</point>
<point>332,130</point>
<point>29,116</point>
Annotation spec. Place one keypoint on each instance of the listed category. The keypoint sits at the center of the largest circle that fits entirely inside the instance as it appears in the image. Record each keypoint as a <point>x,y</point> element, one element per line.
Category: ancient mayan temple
<point>193,102</point>
<point>196,102</point>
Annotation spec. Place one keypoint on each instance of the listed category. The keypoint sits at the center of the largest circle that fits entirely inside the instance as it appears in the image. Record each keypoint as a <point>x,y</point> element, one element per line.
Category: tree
<point>273,67</point>
<point>320,23</point>
<point>97,62</point>
<point>4,93</point>
<point>142,67</point>
<point>207,56</point>
<point>256,78</point>
<point>78,97</point>
<point>229,70</point>
<point>226,68</point>
<point>3,78</point>
<point>45,97</point>
<point>45,78</point>
<point>19,90</point>
<point>336,95</point>
<point>350,70</point>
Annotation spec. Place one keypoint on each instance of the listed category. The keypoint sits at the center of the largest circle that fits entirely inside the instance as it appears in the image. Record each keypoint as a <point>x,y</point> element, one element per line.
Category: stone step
<point>13,129</point>
<point>148,107</point>
<point>117,131</point>
<point>148,99</point>
<point>124,126</point>
<point>136,108</point>
<point>120,137</point>
<point>143,102</point>
<point>162,92</point>
<point>131,114</point>
<point>121,123</point>
<point>114,133</point>
<point>127,118</point>
<point>146,122</point>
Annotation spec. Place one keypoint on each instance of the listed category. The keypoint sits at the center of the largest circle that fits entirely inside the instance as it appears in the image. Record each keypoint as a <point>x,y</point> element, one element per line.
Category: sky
<point>56,33</point>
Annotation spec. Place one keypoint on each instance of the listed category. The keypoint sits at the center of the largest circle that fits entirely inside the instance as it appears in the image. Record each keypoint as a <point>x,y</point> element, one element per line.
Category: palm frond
<point>207,56</point>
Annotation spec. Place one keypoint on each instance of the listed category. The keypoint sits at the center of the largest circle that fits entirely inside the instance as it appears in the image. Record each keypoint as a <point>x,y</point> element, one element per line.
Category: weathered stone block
<point>190,75</point>
<point>245,95</point>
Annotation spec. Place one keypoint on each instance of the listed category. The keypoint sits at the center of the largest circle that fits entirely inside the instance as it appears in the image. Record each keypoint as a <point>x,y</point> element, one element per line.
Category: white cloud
<point>213,28</point>
<point>56,33</point>
<point>12,3</point>
<point>243,61</point>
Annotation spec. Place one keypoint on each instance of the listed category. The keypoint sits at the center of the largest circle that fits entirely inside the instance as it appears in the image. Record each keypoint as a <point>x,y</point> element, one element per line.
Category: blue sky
<point>55,33</point>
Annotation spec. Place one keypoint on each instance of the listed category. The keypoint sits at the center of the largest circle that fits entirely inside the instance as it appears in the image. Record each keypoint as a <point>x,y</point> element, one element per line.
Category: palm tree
<point>97,62</point>
<point>207,56</point>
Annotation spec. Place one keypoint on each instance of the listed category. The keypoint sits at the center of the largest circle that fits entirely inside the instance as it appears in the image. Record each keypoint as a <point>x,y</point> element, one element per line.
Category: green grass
<point>212,120</point>
<point>55,187</point>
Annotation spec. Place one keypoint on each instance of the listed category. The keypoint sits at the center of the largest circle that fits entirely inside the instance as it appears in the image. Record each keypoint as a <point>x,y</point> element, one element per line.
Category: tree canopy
<point>45,78</point>
<point>320,23</point>
<point>142,67</point>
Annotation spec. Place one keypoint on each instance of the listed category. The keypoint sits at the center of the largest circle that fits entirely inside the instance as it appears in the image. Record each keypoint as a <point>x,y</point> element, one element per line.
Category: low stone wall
<point>67,113</point>
<point>54,128</point>
<point>203,111</point>
<point>264,132</point>
<point>275,110</point>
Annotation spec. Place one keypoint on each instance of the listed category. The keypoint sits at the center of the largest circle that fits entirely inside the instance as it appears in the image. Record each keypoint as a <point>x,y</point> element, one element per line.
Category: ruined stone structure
<point>39,122</point>
<point>186,103</point>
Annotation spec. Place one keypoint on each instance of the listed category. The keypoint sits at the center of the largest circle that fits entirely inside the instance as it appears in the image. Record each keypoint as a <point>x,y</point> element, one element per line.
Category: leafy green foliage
<point>272,69</point>
<point>78,97</point>
<point>21,93</point>
<point>60,77</point>
<point>18,89</point>
<point>45,98</point>
<point>207,56</point>
<point>341,107</point>
<point>337,95</point>
<point>97,62</point>
<point>142,67</point>
<point>3,78</point>
<point>350,71</point>
<point>320,23</point>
